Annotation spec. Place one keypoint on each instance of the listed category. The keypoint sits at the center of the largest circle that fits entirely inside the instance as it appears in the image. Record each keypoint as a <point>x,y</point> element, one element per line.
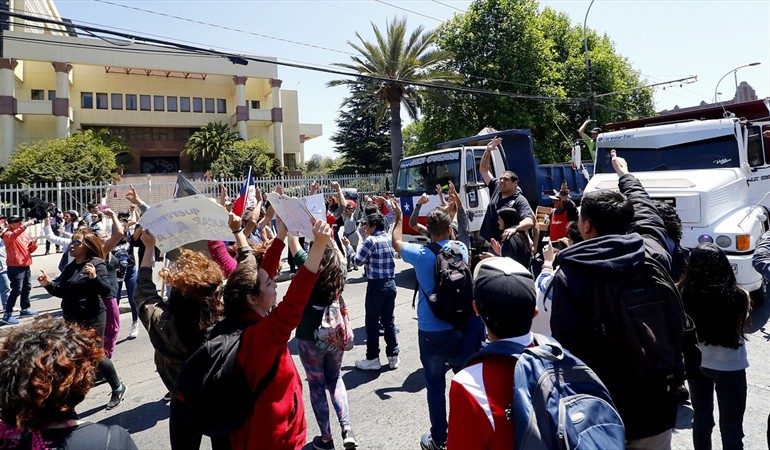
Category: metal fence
<point>160,187</point>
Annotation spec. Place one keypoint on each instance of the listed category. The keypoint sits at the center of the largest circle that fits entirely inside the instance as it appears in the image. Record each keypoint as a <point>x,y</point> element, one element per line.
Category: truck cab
<point>715,172</point>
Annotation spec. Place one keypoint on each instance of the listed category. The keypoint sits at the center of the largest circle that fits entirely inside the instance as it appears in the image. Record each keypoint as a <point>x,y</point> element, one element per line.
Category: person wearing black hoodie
<point>618,228</point>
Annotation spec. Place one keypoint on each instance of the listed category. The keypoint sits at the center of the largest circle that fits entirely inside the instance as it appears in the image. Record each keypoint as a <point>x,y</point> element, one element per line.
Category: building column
<point>61,104</point>
<point>276,115</point>
<point>7,109</point>
<point>241,108</point>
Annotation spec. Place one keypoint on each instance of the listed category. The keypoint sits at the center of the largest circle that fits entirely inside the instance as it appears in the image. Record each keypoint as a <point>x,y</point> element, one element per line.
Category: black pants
<point>106,368</point>
<point>184,436</point>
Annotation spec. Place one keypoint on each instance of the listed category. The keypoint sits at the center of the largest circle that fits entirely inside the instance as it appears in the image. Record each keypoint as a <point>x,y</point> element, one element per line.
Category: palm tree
<point>210,141</point>
<point>396,59</point>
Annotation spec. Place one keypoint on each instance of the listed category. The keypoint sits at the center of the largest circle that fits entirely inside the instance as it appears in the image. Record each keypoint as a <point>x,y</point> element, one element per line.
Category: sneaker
<point>320,444</point>
<point>369,364</point>
<point>117,396</point>
<point>167,397</point>
<point>27,313</point>
<point>426,443</point>
<point>349,439</point>
<point>9,320</point>
<point>134,330</point>
<point>394,361</point>
<point>683,395</point>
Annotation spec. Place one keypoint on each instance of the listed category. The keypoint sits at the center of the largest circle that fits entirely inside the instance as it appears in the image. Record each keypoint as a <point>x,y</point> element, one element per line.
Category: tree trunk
<point>396,141</point>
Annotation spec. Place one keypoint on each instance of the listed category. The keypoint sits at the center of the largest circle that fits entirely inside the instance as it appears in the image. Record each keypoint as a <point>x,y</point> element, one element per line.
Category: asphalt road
<point>388,409</point>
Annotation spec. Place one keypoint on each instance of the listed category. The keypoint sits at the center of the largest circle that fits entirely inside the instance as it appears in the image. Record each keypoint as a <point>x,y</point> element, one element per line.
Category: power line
<point>448,6</point>
<point>409,11</point>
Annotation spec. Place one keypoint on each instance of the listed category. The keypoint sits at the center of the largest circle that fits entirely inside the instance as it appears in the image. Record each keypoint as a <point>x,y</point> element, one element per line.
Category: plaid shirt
<point>378,255</point>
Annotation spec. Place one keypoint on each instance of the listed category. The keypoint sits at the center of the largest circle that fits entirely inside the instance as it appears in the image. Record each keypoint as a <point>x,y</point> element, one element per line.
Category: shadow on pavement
<point>684,418</point>
<point>406,278</point>
<point>354,377</point>
<point>759,318</point>
<point>414,382</point>
<point>143,417</point>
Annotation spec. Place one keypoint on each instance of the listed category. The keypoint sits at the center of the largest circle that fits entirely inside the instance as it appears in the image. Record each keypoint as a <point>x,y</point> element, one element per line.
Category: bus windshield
<point>721,152</point>
<point>421,174</point>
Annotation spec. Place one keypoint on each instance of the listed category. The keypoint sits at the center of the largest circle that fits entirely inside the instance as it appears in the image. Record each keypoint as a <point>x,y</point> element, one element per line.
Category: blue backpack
<point>558,401</point>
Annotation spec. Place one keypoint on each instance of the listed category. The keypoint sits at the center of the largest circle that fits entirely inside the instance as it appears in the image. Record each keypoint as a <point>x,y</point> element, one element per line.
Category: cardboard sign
<point>295,214</point>
<point>180,221</point>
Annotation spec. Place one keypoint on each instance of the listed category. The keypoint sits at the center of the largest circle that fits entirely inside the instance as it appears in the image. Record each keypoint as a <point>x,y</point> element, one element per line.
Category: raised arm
<point>396,237</point>
<point>440,192</point>
<point>416,215</point>
<point>582,130</point>
<point>134,199</point>
<point>485,165</point>
<point>118,231</point>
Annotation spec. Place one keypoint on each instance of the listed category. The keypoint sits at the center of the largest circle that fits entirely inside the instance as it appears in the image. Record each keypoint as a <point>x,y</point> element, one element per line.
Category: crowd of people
<point>522,285</point>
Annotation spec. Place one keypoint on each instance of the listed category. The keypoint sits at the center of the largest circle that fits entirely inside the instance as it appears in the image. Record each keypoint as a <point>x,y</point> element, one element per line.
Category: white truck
<point>715,172</point>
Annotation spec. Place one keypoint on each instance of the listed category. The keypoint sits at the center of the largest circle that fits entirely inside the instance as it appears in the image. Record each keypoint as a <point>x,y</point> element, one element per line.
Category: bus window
<point>754,150</point>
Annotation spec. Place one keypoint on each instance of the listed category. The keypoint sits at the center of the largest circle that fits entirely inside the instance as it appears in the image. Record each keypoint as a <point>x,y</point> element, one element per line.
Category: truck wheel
<point>758,296</point>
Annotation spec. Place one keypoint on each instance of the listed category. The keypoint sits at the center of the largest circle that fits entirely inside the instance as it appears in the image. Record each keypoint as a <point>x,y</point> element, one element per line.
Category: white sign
<point>180,221</point>
<point>316,205</point>
<point>295,214</point>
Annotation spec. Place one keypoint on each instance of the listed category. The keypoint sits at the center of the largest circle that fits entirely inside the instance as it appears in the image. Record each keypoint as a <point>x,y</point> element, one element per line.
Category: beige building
<point>54,81</point>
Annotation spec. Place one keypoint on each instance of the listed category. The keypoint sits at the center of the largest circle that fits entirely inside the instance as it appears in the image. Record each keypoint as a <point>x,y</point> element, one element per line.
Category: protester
<point>350,230</point>
<point>481,393</point>
<point>5,283</point>
<point>18,261</point>
<point>112,327</point>
<point>54,364</point>
<point>323,366</point>
<point>57,217</point>
<point>278,420</point>
<point>376,254</point>
<point>81,286</point>
<point>719,309</point>
<point>516,246</point>
<point>177,328</point>
<point>619,229</point>
<point>564,212</point>
<point>503,192</point>
<point>590,140</point>
<point>441,344</point>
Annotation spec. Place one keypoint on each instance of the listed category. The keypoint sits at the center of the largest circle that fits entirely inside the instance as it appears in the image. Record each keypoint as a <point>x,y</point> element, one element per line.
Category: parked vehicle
<point>459,161</point>
<point>715,173</point>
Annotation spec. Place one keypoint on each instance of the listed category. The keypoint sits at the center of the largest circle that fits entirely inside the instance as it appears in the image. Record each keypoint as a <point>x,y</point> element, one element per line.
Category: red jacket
<point>278,420</point>
<point>17,247</point>
<point>478,397</point>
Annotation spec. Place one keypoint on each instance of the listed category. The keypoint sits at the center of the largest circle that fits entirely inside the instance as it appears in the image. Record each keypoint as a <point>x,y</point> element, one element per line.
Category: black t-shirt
<point>489,228</point>
<point>86,436</point>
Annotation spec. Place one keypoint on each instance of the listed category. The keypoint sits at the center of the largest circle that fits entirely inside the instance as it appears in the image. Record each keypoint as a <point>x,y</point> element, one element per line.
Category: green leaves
<point>234,162</point>
<point>208,143</point>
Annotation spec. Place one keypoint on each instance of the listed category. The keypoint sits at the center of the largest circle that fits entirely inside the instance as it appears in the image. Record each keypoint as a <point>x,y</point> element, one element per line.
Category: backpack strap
<point>267,379</point>
<point>514,350</point>
<point>436,249</point>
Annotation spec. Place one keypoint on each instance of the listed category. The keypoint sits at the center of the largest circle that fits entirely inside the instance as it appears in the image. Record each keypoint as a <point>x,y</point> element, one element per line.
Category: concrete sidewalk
<point>41,301</point>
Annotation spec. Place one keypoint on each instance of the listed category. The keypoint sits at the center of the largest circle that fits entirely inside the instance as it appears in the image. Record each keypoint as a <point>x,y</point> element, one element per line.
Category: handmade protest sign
<point>180,221</point>
<point>294,213</point>
<point>316,205</point>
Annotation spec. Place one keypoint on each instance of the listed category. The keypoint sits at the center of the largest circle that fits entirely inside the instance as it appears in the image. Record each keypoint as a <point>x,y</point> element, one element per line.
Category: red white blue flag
<point>248,196</point>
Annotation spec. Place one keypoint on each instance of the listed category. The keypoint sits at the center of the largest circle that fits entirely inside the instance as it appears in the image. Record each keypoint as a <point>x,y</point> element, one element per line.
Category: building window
<point>116,101</point>
<point>221,106</point>
<point>87,100</point>
<point>51,95</point>
<point>197,104</point>
<point>101,100</point>
<point>144,102</point>
<point>171,104</point>
<point>159,102</point>
<point>290,160</point>
<point>184,104</point>
<point>38,94</point>
<point>209,105</point>
<point>131,102</point>
<point>254,104</point>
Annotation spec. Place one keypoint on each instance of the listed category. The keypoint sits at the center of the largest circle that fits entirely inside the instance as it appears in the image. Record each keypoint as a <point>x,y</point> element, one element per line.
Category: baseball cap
<point>596,130</point>
<point>15,219</point>
<point>352,204</point>
<point>504,292</point>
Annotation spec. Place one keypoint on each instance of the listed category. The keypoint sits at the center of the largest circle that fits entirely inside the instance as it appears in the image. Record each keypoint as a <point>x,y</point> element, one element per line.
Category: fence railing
<point>160,187</point>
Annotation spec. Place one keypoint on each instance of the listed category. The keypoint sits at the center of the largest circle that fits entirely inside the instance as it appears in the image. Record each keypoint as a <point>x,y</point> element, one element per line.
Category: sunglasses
<point>75,243</point>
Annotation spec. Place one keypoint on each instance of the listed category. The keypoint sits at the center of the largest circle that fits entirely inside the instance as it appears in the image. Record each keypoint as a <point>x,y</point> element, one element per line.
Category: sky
<point>663,39</point>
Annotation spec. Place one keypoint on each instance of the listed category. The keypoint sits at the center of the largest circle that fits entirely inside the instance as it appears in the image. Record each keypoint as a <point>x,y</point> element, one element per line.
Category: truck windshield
<point>422,173</point>
<point>721,152</point>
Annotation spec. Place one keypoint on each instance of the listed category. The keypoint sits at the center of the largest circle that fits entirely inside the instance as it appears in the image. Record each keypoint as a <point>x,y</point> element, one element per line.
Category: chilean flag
<point>248,196</point>
<point>407,208</point>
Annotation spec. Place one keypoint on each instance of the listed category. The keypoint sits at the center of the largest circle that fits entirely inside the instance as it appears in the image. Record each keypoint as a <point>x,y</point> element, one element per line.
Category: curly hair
<point>196,295</point>
<point>671,220</point>
<point>259,250</point>
<point>48,368</point>
<point>331,278</point>
<point>713,299</point>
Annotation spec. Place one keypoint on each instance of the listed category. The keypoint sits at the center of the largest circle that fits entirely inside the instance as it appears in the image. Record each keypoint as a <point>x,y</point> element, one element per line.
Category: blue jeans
<point>5,288</point>
<point>439,349</point>
<point>731,397</point>
<point>130,280</point>
<point>380,302</point>
<point>21,284</point>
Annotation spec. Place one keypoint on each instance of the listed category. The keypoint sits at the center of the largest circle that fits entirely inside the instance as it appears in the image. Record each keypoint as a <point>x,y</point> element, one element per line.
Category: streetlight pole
<point>735,72</point>
<point>589,78</point>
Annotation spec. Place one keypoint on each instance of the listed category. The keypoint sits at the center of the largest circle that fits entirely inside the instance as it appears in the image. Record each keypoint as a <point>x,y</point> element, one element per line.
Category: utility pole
<point>589,78</point>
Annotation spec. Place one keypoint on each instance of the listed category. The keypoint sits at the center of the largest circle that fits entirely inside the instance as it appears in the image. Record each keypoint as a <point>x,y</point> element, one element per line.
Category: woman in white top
<point>719,309</point>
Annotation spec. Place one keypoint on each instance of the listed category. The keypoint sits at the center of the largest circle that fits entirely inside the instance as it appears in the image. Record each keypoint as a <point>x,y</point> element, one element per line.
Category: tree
<point>117,145</point>
<point>510,46</point>
<point>362,139</point>
<point>82,157</point>
<point>235,161</point>
<point>400,59</point>
<point>413,144</point>
<point>208,143</point>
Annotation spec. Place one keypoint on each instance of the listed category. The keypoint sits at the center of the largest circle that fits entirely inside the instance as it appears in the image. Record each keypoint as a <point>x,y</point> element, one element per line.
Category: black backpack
<point>216,397</point>
<point>452,298</point>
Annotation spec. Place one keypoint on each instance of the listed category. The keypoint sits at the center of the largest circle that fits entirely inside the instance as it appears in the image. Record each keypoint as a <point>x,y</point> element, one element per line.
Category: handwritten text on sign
<point>180,221</point>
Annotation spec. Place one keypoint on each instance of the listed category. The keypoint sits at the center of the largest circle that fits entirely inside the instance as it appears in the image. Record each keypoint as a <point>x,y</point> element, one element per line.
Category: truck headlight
<point>705,239</point>
<point>742,242</point>
<point>724,241</point>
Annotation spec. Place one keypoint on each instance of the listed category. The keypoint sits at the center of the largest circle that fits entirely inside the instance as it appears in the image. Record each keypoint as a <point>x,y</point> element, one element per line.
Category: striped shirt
<point>378,255</point>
